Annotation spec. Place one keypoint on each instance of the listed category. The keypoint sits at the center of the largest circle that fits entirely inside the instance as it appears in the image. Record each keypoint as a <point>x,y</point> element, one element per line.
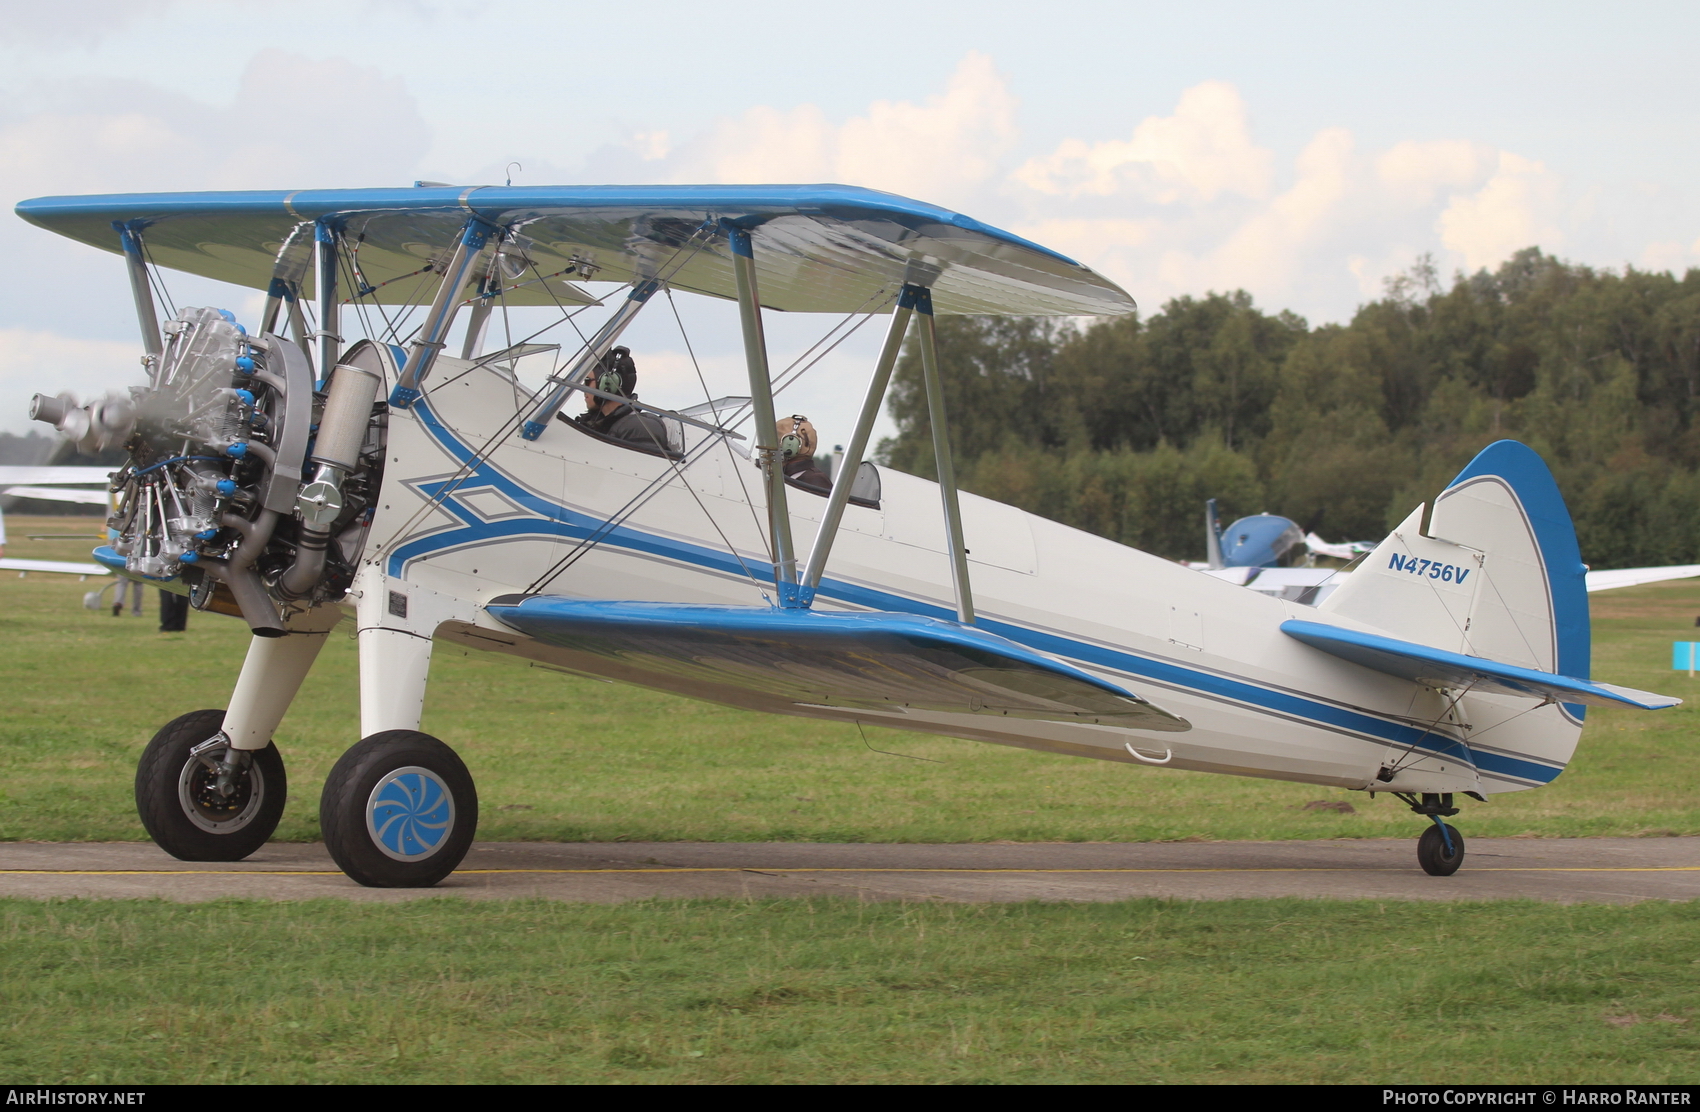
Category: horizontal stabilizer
<point>875,661</point>
<point>1440,668</point>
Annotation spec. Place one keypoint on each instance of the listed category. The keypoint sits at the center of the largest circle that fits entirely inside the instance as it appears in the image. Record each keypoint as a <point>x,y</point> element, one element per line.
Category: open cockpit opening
<point>649,434</point>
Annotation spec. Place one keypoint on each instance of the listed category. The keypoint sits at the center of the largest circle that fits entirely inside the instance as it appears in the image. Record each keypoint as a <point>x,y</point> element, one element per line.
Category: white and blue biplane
<point>292,473</point>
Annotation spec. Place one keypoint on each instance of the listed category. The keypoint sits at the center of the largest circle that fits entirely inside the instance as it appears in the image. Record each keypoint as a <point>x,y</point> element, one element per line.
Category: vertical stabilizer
<point>1212,537</point>
<point>1496,573</point>
<point>1417,588</point>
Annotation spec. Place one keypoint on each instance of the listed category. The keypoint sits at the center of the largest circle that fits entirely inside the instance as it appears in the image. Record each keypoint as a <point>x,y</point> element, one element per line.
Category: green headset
<point>791,444</point>
<point>609,378</point>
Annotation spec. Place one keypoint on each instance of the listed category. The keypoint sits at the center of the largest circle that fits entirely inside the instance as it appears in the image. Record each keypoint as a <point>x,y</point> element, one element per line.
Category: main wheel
<point>1432,855</point>
<point>399,810</point>
<point>179,803</point>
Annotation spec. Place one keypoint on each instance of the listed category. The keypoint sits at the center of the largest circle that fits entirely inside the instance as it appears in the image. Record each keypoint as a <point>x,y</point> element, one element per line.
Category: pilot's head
<point>614,373</point>
<point>797,437</point>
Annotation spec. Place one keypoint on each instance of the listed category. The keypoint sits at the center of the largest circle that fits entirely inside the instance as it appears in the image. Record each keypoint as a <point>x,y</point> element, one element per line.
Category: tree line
<point>1125,427</point>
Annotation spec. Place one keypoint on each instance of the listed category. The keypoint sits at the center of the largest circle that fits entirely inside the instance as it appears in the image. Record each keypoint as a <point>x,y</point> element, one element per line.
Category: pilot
<point>797,442</point>
<point>616,373</point>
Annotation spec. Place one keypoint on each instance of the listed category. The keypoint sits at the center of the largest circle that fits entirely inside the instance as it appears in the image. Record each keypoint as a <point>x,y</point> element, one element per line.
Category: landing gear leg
<point>399,809</point>
<point>1440,850</point>
<point>272,675</point>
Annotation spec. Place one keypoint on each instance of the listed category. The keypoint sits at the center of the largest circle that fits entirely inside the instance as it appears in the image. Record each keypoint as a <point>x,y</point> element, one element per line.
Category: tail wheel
<point>1434,855</point>
<point>399,810</point>
<point>179,802</point>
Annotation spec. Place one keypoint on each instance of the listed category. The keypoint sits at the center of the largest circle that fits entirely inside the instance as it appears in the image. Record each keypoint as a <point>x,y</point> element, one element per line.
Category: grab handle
<point>1168,755</point>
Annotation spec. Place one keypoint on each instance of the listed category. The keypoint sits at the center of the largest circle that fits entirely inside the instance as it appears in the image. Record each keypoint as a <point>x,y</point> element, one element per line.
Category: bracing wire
<point>1450,707</point>
<point>348,270</point>
<point>889,753</point>
<point>640,499</point>
<point>156,280</point>
<point>513,424</point>
<point>708,396</point>
<point>361,288</point>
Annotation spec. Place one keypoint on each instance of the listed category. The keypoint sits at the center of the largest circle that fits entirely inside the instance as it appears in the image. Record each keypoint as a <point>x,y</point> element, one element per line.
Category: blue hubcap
<point>410,814</point>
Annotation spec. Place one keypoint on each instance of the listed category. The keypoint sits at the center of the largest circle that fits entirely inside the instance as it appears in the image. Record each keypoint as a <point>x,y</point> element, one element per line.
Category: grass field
<point>1294,991</point>
<point>562,758</point>
<point>1276,991</point>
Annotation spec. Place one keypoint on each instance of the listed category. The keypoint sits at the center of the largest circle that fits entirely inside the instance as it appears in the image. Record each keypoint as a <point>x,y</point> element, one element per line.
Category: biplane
<point>341,458</point>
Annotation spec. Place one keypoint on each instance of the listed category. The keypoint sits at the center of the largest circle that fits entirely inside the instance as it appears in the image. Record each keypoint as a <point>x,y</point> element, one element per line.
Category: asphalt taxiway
<point>1561,870</point>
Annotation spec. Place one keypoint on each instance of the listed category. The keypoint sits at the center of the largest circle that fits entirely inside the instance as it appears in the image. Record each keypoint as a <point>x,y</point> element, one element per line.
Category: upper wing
<point>1633,577</point>
<point>846,661</point>
<point>818,248</point>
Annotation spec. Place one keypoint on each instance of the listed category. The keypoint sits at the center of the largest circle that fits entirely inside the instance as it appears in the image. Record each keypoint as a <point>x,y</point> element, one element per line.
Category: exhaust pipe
<point>342,430</point>
<point>244,582</point>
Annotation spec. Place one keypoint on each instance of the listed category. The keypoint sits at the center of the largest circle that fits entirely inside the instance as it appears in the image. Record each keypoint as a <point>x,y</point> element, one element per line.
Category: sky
<point>1303,152</point>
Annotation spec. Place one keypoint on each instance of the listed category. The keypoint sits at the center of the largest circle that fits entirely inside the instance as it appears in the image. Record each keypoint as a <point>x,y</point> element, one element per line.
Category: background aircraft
<point>1257,553</point>
<point>80,485</point>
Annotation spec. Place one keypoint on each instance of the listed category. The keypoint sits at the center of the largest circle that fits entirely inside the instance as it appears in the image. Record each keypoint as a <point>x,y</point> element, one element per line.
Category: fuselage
<point>571,515</point>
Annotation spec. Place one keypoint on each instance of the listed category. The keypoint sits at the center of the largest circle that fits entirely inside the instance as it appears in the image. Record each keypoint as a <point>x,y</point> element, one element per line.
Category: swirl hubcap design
<point>410,814</point>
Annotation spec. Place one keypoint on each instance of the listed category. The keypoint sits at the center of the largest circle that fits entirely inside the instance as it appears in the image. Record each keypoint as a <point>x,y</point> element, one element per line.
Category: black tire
<point>1432,855</point>
<point>180,807</point>
<point>386,824</point>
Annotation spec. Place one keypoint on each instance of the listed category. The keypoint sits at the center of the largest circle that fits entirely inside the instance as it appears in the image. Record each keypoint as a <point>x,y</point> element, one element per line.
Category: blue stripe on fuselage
<point>562,522</point>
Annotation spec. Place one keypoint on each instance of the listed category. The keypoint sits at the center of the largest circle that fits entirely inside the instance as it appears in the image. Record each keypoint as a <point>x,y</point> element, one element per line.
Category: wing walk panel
<point>873,661</point>
<point>1440,668</point>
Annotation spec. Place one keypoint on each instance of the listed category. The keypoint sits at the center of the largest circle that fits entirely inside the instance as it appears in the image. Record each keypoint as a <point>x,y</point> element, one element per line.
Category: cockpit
<point>678,434</point>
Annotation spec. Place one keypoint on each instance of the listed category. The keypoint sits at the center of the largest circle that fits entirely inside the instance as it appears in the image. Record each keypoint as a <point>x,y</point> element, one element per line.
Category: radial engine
<point>248,486</point>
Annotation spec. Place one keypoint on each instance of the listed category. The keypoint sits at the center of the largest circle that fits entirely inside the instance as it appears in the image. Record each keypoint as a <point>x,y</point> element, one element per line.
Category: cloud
<point>41,24</point>
<point>1201,152</point>
<point>1186,201</point>
<point>1416,173</point>
<point>940,150</point>
<point>1670,255</point>
<point>1192,203</point>
<point>293,122</point>
<point>33,362</point>
<point>1518,206</point>
<point>329,122</point>
<point>1268,250</point>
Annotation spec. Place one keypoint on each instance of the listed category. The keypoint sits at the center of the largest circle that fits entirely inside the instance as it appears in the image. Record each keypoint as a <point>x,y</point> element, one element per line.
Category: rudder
<point>1496,573</point>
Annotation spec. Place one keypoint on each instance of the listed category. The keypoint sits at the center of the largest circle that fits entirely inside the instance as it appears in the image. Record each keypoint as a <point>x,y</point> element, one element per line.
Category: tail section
<point>1487,600</point>
<point>1495,572</point>
<point>1493,580</point>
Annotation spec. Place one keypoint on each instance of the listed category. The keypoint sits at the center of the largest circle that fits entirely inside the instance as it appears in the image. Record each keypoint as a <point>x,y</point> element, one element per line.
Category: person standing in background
<point>173,612</point>
<point>135,591</point>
